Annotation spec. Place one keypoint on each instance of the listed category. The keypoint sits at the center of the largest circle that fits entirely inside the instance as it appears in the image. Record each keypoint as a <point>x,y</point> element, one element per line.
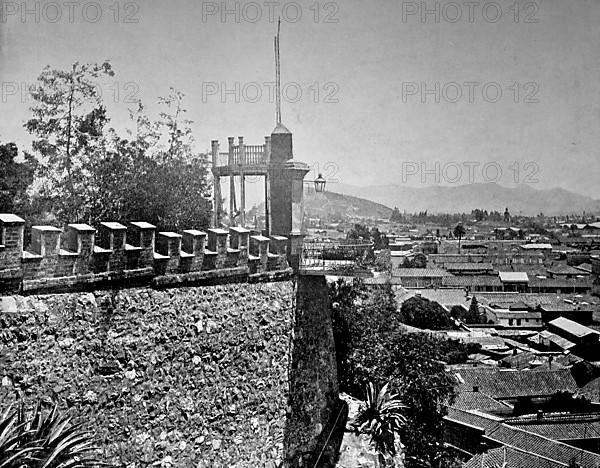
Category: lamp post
<point>320,184</point>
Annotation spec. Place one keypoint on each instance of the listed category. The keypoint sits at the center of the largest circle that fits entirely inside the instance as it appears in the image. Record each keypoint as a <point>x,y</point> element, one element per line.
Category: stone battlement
<point>84,257</point>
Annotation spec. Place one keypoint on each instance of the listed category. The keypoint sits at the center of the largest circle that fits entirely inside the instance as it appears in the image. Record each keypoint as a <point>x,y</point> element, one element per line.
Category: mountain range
<point>522,199</point>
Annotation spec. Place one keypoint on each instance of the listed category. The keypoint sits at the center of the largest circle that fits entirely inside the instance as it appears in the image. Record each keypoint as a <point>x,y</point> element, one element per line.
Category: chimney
<point>540,414</point>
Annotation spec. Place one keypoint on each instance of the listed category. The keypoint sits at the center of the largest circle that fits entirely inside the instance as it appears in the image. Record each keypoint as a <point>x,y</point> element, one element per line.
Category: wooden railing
<point>254,155</point>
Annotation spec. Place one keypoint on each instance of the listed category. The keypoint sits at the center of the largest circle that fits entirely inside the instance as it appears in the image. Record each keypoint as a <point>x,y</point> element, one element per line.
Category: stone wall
<point>187,377</point>
<point>84,257</point>
<point>314,402</point>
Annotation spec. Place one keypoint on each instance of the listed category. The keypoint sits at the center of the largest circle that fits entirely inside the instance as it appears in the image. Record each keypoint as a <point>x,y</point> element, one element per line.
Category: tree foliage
<point>459,232</point>
<point>15,180</point>
<point>422,313</point>
<point>371,347</point>
<point>419,260</point>
<point>361,233</point>
<point>86,172</point>
<point>470,316</point>
<point>67,124</point>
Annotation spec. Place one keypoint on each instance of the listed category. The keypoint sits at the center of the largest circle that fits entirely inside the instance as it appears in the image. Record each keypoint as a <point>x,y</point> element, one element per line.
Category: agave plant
<point>381,418</point>
<point>32,439</point>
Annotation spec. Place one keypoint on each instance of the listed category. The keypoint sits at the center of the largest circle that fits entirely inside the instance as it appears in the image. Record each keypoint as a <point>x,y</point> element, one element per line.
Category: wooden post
<point>267,206</point>
<point>231,199</point>
<point>242,151</point>
<point>267,149</point>
<point>267,191</point>
<point>242,200</point>
<point>217,201</point>
<point>242,163</point>
<point>230,157</point>
<point>215,152</point>
<point>216,184</point>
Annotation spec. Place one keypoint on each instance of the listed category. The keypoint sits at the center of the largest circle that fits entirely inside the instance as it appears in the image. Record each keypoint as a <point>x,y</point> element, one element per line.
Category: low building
<point>419,277</point>
<point>511,386</point>
<point>585,339</point>
<point>514,281</point>
<point>577,430</point>
<point>565,271</point>
<point>466,268</point>
<point>494,443</point>
<point>477,283</point>
<point>517,315</point>
<point>552,341</point>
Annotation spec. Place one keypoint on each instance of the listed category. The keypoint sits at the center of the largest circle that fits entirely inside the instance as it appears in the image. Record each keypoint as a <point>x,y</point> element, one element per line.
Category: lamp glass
<point>320,183</point>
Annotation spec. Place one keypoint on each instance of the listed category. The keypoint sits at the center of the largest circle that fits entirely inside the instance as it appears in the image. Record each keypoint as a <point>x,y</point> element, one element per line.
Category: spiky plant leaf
<point>44,440</point>
<point>381,418</point>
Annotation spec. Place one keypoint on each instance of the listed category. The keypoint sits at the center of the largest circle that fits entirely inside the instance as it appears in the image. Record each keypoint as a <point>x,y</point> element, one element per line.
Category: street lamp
<point>320,184</point>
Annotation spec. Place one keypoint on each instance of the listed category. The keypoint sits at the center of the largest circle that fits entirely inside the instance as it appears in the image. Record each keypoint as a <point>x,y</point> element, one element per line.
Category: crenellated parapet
<point>82,256</point>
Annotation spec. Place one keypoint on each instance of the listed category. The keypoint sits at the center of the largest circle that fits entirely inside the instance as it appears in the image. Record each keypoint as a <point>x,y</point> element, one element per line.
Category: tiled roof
<point>534,449</point>
<point>505,384</point>
<point>592,390</point>
<point>475,418</point>
<point>567,430</point>
<point>470,281</point>
<point>519,361</point>
<point>479,401</point>
<point>535,282</point>
<point>533,443</point>
<point>506,299</point>
<point>451,258</point>
<point>419,272</point>
<point>514,458</point>
<point>562,269</point>
<point>468,266</point>
<point>532,269</point>
<point>516,314</point>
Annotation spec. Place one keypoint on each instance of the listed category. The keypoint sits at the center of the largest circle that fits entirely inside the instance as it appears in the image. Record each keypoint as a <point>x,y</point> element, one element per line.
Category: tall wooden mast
<point>277,76</point>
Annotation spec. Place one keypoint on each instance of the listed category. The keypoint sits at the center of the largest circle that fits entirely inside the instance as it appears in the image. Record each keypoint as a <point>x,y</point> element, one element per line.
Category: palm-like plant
<point>34,440</point>
<point>381,418</point>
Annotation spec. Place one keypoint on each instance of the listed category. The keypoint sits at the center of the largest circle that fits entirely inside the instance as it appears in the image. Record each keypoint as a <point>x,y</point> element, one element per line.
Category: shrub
<point>381,418</point>
<point>32,439</point>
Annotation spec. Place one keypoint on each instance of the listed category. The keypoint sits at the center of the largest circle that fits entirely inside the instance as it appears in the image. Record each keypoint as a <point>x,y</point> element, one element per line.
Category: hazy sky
<point>361,67</point>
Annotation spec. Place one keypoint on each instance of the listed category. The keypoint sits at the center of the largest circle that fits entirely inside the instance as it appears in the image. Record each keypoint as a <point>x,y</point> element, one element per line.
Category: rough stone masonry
<point>213,376</point>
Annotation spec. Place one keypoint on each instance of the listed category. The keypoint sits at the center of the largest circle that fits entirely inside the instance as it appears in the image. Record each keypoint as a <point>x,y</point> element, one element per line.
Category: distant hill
<point>463,198</point>
<point>331,204</point>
